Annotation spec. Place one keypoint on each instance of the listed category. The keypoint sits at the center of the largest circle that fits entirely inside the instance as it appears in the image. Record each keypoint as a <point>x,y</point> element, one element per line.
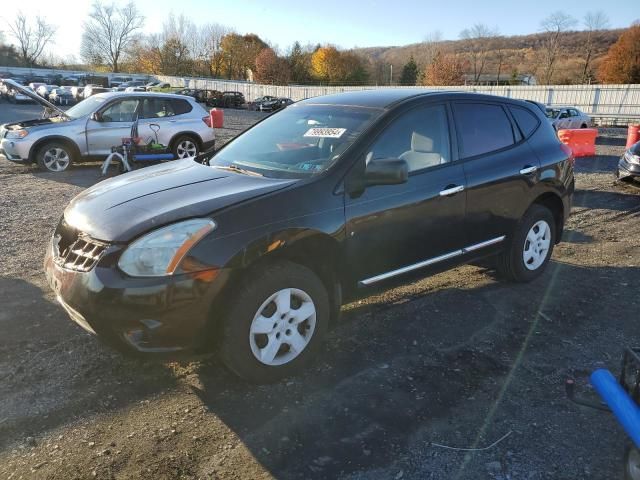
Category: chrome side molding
<point>431,261</point>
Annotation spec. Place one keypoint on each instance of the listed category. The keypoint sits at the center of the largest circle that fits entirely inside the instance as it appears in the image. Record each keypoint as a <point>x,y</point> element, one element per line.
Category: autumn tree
<point>270,68</point>
<point>554,26</point>
<point>239,54</point>
<point>622,63</point>
<point>324,63</point>
<point>445,69</point>
<point>477,42</point>
<point>409,75</point>
<point>108,33</point>
<point>31,37</point>
<point>329,65</point>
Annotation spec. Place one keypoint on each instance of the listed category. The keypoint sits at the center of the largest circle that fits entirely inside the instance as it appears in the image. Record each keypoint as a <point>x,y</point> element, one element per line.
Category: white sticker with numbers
<point>325,132</point>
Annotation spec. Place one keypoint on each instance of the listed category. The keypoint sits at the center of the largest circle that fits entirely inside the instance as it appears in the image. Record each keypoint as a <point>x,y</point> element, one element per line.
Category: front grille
<point>75,250</point>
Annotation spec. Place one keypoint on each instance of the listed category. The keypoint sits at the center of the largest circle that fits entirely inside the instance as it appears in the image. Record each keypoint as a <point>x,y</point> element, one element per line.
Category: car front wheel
<point>54,157</point>
<point>275,323</point>
<point>529,249</point>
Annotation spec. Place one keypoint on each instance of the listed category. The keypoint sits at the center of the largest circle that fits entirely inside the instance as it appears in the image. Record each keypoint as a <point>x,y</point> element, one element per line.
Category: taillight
<point>207,120</point>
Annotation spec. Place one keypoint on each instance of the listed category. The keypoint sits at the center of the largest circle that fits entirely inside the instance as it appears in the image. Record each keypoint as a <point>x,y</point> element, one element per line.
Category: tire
<point>262,352</point>
<point>185,146</point>
<point>55,156</point>
<point>528,250</point>
<point>631,463</point>
<point>584,125</point>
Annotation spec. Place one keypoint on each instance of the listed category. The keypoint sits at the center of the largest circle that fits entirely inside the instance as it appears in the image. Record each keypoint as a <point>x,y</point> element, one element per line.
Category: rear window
<point>526,120</point>
<point>482,128</point>
<point>181,106</point>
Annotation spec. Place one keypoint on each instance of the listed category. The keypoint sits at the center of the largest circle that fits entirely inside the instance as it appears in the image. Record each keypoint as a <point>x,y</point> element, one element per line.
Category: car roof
<point>109,95</point>
<point>388,97</point>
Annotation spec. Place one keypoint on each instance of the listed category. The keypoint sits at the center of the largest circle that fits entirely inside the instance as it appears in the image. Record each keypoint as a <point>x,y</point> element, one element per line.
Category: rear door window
<point>157,108</point>
<point>482,128</point>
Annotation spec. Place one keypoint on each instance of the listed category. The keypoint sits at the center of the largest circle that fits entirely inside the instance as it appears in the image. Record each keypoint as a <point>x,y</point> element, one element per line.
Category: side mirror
<point>388,171</point>
<point>96,116</point>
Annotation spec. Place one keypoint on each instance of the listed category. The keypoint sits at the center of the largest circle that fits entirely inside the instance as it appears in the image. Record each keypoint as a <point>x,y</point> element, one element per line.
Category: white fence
<point>602,99</point>
<point>595,99</point>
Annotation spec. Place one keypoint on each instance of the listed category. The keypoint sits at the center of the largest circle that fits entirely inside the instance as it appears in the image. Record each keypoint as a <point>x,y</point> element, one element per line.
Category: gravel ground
<point>455,360</point>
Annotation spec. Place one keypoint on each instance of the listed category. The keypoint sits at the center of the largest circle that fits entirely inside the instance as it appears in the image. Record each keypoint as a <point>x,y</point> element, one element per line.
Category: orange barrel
<point>633,135</point>
<point>216,118</point>
<point>582,141</point>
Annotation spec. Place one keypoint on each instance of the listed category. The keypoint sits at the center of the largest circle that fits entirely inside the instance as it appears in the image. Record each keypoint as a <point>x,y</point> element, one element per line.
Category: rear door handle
<point>528,170</point>
<point>451,190</point>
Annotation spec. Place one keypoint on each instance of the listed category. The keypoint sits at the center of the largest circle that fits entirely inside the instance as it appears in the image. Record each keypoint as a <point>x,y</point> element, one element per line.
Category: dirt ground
<point>455,360</point>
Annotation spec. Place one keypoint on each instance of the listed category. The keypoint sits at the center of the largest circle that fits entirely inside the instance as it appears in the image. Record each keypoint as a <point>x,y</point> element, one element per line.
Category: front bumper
<point>163,315</point>
<point>627,169</point>
<point>15,150</point>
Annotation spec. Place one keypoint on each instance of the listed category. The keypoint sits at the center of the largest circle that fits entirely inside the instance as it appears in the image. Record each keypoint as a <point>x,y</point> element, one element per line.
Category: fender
<point>61,138</point>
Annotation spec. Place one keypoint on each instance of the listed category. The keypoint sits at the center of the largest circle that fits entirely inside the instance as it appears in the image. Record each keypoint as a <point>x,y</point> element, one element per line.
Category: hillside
<point>519,53</point>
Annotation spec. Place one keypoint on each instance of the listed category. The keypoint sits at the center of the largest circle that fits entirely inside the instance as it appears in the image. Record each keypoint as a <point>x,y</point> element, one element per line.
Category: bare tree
<point>477,42</point>
<point>109,32</point>
<point>31,39</point>
<point>211,36</point>
<point>431,44</point>
<point>592,21</point>
<point>554,26</point>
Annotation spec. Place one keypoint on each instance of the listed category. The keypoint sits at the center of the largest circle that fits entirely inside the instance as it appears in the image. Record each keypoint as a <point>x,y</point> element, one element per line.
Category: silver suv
<point>89,130</point>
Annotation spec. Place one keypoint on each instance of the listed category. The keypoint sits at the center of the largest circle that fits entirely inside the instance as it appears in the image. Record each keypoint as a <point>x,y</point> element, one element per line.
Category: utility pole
<point>390,74</point>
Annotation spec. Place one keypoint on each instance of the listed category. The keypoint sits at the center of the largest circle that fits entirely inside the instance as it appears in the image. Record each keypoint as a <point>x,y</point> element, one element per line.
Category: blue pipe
<point>154,156</point>
<point>622,406</point>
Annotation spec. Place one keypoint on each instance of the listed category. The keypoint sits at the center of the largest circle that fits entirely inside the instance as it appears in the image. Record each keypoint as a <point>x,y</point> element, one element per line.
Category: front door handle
<point>528,170</point>
<point>451,190</point>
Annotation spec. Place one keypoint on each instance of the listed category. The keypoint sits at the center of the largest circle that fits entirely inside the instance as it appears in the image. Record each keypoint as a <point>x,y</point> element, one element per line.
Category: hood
<point>121,208</point>
<point>34,96</point>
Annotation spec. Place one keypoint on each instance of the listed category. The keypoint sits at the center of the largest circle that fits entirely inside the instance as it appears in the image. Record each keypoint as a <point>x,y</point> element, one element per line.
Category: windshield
<point>85,107</point>
<point>297,142</point>
<point>552,112</point>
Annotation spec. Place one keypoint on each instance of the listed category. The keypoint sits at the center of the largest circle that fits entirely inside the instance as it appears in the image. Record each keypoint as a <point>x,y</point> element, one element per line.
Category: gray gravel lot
<point>458,359</point>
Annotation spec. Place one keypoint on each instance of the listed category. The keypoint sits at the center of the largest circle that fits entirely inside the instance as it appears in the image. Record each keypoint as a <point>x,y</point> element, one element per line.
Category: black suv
<point>254,252</point>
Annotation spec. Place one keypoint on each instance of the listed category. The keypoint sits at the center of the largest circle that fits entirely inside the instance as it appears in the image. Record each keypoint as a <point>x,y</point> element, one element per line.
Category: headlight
<point>16,134</point>
<point>160,252</point>
<point>631,158</point>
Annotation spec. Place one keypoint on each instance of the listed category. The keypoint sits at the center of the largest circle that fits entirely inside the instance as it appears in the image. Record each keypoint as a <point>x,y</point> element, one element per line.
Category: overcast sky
<point>341,22</point>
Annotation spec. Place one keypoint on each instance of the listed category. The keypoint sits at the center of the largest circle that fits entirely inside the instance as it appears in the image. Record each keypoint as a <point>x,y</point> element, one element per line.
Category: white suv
<point>88,130</point>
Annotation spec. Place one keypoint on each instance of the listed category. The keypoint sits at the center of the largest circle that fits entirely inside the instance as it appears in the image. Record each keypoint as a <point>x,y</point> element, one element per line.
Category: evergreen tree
<point>409,74</point>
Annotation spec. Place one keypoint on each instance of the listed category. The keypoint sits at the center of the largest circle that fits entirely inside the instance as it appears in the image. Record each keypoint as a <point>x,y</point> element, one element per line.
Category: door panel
<point>393,226</point>
<point>116,121</point>
<point>499,180</point>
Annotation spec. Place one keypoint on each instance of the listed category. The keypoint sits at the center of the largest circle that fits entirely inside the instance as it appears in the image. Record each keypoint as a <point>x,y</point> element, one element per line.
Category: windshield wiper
<point>235,168</point>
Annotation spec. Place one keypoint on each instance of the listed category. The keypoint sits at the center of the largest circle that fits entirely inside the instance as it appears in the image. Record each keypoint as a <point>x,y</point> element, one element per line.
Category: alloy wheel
<point>56,159</point>
<point>282,327</point>
<point>536,245</point>
<point>186,149</point>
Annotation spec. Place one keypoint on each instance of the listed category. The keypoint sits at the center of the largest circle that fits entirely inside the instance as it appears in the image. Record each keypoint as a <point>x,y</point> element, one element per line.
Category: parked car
<point>16,96</point>
<point>35,85</point>
<point>78,93</point>
<point>61,96</point>
<point>161,87</point>
<point>116,81</point>
<point>567,117</point>
<point>45,90</point>
<point>135,89</point>
<point>225,99</point>
<point>91,128</point>
<point>629,164</point>
<point>123,86</point>
<point>257,103</point>
<point>275,104</point>
<point>93,89</point>
<point>198,95</point>
<point>149,85</point>
<point>317,203</point>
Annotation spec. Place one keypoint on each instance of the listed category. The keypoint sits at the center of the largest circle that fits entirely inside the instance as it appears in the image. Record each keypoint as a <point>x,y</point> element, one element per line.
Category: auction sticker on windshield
<point>325,132</point>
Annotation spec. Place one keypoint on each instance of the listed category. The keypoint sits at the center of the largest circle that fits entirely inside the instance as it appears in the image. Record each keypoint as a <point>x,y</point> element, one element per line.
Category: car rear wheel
<point>185,147</point>
<point>275,323</point>
<point>530,247</point>
<point>54,157</point>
